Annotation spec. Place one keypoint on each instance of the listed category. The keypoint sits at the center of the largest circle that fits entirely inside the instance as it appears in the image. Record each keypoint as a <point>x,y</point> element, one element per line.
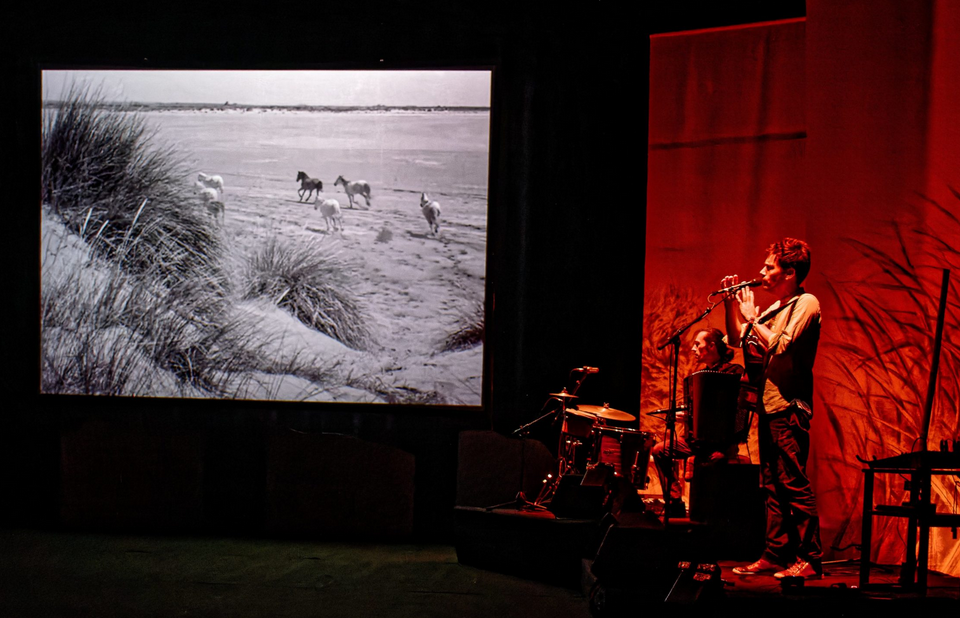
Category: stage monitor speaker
<point>581,496</point>
<point>636,565</point>
<point>597,476</point>
<point>647,547</point>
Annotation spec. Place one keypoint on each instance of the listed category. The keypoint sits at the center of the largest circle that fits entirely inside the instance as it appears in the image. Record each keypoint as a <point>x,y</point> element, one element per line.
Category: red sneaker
<point>801,568</point>
<point>760,566</point>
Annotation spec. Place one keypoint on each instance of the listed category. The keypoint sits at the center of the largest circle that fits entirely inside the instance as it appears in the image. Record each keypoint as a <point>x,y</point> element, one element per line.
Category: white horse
<point>330,209</point>
<point>357,187</point>
<point>214,206</point>
<point>211,182</point>
<point>431,212</point>
<point>308,185</point>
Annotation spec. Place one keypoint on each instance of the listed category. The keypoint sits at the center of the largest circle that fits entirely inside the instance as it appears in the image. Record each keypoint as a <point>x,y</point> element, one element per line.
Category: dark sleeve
<point>731,368</point>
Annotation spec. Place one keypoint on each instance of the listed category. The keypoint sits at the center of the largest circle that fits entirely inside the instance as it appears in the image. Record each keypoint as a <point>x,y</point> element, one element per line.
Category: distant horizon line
<point>133,105</point>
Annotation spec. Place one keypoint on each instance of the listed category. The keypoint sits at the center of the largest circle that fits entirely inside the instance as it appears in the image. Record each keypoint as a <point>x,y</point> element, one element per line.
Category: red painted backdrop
<point>843,129</point>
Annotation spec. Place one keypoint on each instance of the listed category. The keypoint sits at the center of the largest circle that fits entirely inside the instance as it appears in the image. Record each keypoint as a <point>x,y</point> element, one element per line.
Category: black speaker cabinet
<point>637,565</point>
<point>728,499</point>
<point>581,496</point>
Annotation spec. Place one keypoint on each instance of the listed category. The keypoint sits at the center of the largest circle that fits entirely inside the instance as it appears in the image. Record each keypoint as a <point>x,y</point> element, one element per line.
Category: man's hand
<point>726,282</point>
<point>748,308</point>
<point>733,308</point>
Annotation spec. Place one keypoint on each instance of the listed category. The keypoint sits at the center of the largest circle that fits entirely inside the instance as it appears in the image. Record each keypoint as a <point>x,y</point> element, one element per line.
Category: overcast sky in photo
<point>423,88</point>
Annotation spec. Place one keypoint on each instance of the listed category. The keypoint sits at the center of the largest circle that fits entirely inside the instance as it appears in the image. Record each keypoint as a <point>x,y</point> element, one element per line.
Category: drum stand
<point>521,502</point>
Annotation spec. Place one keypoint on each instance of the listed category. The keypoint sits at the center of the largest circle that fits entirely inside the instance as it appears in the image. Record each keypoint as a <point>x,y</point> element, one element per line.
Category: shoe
<point>801,568</point>
<point>760,566</point>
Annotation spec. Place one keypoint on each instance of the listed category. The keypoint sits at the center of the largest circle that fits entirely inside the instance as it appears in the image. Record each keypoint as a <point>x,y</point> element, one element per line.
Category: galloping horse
<point>330,209</point>
<point>308,185</point>
<point>431,212</point>
<point>357,187</point>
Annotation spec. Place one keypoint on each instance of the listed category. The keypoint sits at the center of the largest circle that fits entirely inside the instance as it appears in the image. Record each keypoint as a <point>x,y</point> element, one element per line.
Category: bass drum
<point>627,451</point>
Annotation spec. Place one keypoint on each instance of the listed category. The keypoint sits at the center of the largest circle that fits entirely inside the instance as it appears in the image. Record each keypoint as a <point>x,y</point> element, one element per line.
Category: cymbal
<point>564,395</point>
<point>607,412</point>
<point>580,413</point>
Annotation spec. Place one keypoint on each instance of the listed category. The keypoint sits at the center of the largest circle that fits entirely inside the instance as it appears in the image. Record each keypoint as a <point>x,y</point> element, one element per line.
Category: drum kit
<point>588,439</point>
<point>591,439</point>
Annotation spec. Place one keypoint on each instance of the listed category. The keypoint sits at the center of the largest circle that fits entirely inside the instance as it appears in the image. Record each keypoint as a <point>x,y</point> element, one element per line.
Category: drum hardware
<point>578,424</point>
<point>588,444</point>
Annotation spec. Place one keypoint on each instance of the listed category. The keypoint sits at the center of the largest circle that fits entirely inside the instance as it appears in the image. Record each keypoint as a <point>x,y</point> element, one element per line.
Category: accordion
<point>711,402</point>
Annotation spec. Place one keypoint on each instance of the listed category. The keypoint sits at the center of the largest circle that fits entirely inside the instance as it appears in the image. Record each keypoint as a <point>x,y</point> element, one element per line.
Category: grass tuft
<point>469,332</point>
<point>384,235</point>
<point>310,282</point>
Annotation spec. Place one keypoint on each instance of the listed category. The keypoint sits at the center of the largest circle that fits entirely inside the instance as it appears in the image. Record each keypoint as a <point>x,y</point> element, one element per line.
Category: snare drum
<point>627,451</point>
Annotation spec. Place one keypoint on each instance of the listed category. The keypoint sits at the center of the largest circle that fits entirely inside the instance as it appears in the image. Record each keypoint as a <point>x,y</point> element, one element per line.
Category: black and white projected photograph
<point>266,235</point>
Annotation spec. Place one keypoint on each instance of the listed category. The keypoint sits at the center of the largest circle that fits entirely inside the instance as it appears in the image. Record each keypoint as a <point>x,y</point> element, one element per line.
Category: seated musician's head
<point>709,347</point>
<point>786,266</point>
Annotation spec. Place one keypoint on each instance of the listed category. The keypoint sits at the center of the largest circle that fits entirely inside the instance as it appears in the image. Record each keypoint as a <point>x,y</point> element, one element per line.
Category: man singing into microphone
<point>787,334</point>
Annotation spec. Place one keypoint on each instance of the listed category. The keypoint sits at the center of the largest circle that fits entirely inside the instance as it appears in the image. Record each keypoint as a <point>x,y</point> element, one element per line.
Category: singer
<point>785,335</point>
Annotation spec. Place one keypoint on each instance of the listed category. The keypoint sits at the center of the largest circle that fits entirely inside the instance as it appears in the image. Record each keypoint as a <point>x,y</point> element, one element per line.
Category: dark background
<point>567,218</point>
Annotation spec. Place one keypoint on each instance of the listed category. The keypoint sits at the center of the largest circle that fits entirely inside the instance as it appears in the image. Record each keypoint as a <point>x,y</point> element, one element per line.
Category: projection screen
<point>267,235</point>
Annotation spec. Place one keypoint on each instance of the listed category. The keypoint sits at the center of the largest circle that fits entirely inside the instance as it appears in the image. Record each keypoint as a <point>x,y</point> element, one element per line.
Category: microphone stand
<point>522,430</point>
<point>576,386</point>
<point>670,431</point>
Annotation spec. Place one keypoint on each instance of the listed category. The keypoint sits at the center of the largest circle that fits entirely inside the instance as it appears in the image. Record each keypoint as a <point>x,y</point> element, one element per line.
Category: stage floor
<point>52,574</point>
<point>836,594</point>
<point>634,562</point>
<point>840,580</point>
<point>48,573</point>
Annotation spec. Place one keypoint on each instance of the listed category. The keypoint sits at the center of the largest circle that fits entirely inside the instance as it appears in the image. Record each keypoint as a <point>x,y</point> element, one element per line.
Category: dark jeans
<point>664,459</point>
<point>793,525</point>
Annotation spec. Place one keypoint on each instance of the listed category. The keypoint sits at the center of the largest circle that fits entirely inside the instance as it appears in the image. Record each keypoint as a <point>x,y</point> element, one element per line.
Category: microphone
<point>586,369</point>
<point>743,284</point>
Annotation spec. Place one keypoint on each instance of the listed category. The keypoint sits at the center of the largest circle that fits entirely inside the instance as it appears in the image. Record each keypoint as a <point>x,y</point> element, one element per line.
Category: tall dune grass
<point>312,283</point>
<point>133,291</point>
<point>665,309</point>
<point>109,332</point>
<point>106,178</point>
<point>877,373</point>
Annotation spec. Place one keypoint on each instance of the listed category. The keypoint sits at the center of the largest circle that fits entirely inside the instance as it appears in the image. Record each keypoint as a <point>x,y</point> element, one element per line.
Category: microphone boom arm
<point>753,283</point>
